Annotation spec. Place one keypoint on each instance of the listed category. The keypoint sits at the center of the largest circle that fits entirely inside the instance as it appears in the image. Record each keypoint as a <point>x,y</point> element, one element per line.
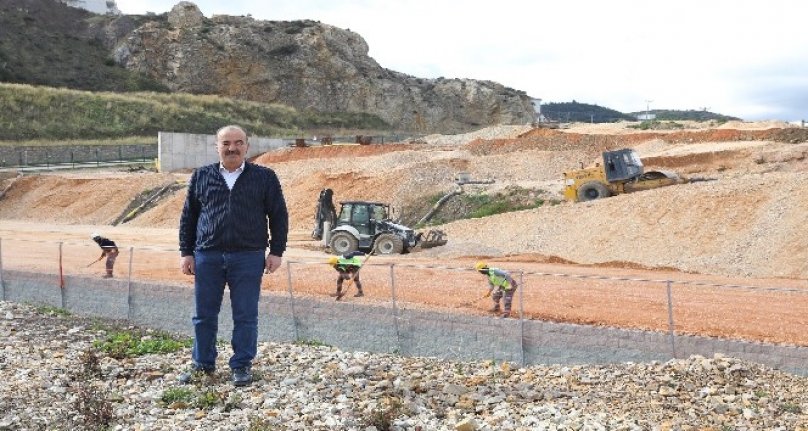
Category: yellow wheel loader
<point>621,172</point>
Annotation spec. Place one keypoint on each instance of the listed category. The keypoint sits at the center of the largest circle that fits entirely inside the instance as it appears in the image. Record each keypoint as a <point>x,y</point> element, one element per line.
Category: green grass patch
<point>177,395</point>
<point>33,114</point>
<point>314,343</point>
<point>132,343</point>
<point>476,205</point>
<point>193,398</point>
<point>53,311</point>
<point>791,408</point>
<point>208,399</point>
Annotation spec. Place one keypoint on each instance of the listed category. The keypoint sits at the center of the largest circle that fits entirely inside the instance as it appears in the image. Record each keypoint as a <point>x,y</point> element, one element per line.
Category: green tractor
<point>367,226</point>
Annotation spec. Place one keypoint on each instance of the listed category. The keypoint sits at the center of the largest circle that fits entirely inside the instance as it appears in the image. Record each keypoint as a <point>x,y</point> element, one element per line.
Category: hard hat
<point>95,235</point>
<point>480,265</point>
<point>333,260</point>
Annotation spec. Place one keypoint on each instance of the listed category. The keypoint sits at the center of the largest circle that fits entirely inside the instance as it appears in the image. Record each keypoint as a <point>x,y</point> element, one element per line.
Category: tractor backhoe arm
<point>325,212</point>
<point>438,204</point>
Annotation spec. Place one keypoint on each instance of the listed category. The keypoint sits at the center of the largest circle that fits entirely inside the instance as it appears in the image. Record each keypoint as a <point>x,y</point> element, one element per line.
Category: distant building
<point>538,117</point>
<point>644,116</point>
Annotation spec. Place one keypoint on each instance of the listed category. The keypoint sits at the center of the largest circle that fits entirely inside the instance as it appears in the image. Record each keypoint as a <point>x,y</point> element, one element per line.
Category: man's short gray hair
<point>229,128</point>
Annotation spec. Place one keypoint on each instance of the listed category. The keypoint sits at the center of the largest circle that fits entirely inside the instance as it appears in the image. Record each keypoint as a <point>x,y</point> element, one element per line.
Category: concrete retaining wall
<point>188,151</point>
<point>377,328</point>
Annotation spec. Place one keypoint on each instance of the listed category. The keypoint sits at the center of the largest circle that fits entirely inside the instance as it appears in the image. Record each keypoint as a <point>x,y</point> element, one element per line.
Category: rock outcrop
<point>305,64</point>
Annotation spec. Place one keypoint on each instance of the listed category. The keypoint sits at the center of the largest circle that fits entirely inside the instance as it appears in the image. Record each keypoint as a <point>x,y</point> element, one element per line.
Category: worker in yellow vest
<point>348,268</point>
<point>501,284</point>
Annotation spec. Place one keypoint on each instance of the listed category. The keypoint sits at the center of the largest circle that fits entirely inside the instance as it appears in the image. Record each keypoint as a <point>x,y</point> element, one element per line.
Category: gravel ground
<point>48,382</point>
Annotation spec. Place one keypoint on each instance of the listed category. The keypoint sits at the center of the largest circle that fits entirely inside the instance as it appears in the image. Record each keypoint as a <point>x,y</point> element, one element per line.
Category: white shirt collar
<point>223,170</point>
<point>230,177</point>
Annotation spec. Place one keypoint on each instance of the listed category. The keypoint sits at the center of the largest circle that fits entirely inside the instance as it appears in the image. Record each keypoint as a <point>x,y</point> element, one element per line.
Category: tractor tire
<point>343,243</point>
<point>592,190</point>
<point>388,243</point>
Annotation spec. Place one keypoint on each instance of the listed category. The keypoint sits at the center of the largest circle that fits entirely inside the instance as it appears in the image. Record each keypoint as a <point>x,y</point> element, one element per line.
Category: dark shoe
<point>495,309</point>
<point>194,374</point>
<point>242,376</point>
<point>506,314</point>
<point>359,294</point>
<point>107,276</point>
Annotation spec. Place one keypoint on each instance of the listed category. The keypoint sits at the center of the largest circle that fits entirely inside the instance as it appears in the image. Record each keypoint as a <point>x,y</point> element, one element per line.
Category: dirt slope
<point>747,223</point>
<point>752,226</point>
<point>97,198</point>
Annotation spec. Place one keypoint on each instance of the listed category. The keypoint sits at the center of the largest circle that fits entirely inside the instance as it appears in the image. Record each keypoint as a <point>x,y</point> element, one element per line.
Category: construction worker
<point>108,249</point>
<point>347,266</point>
<point>501,284</point>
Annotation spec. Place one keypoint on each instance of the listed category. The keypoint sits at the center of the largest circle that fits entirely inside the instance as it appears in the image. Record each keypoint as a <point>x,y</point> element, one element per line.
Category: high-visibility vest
<point>352,261</point>
<point>497,280</point>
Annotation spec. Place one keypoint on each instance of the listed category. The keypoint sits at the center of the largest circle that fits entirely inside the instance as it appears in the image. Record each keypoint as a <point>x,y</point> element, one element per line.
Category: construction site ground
<point>604,262</point>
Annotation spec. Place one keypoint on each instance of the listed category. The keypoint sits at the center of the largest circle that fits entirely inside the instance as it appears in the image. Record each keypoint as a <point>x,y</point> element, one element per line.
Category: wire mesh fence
<point>75,156</point>
<point>408,300</point>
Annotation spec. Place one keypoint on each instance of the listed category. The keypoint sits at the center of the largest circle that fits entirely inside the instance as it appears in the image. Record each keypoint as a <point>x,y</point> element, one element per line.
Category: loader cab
<point>362,215</point>
<point>622,165</point>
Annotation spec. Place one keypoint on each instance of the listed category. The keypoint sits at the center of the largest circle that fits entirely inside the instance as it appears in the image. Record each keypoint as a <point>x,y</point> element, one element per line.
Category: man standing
<point>108,249</point>
<point>223,239</point>
<point>502,284</point>
<point>348,268</point>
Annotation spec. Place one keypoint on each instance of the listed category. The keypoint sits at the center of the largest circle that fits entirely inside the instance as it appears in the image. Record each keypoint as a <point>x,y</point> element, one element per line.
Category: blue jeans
<point>241,271</point>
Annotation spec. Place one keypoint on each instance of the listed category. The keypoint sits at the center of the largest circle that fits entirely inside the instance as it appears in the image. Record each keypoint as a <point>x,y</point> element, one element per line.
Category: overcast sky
<point>744,58</point>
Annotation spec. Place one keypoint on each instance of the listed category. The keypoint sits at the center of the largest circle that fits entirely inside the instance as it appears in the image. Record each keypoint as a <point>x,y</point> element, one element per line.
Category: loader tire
<point>592,190</point>
<point>343,243</point>
<point>388,243</point>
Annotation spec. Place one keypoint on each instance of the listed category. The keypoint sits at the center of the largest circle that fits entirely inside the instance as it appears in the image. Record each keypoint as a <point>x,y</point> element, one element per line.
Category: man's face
<point>232,146</point>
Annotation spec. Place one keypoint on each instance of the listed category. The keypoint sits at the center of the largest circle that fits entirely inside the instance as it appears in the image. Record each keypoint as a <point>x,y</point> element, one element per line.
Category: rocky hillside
<point>45,42</point>
<point>307,65</point>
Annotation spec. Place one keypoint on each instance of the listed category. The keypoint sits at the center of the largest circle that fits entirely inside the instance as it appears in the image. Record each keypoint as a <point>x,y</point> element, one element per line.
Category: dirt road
<point>774,311</point>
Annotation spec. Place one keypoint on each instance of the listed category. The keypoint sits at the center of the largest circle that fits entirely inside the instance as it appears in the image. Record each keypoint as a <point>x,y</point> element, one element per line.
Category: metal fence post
<point>2,283</point>
<point>522,316</point>
<point>129,286</point>
<point>670,319</point>
<point>61,285</point>
<point>291,297</point>
<point>395,307</point>
<point>61,270</point>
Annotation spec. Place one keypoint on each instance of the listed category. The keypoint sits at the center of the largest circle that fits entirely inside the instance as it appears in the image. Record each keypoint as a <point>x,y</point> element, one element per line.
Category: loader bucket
<point>432,238</point>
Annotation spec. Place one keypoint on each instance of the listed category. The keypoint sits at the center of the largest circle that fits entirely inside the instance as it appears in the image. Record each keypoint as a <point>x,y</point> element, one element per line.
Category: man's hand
<point>187,265</point>
<point>273,262</point>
